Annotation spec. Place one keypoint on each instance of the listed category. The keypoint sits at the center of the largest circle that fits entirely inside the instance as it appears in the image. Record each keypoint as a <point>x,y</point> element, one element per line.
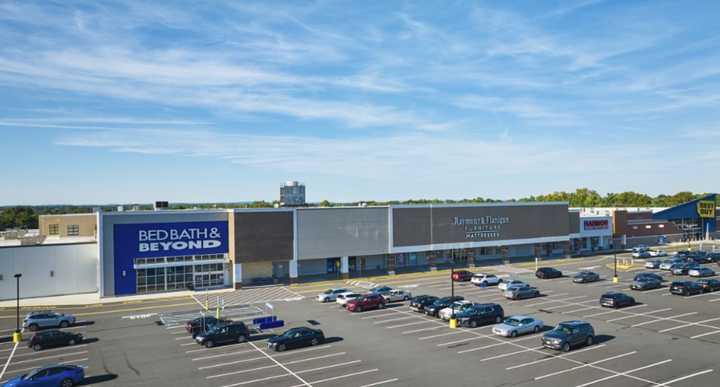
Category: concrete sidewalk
<point>91,299</point>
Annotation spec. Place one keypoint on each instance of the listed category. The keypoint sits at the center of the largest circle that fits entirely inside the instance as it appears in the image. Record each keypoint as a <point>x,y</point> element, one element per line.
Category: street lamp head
<point>18,275</point>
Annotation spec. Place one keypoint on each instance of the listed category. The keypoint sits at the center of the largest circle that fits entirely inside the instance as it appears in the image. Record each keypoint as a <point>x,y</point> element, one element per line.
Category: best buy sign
<point>706,208</point>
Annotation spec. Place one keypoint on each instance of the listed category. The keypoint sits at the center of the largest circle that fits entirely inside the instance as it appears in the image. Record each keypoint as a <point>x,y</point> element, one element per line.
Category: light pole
<point>17,337</point>
<point>615,276</point>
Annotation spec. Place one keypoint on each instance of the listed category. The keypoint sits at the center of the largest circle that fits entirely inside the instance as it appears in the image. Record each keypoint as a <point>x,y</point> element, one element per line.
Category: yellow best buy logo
<point>706,208</point>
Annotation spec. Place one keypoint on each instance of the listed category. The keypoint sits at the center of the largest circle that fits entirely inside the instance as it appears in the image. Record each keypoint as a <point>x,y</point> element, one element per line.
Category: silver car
<point>343,298</point>
<point>518,292</point>
<point>654,264</point>
<point>46,319</point>
<point>330,294</point>
<point>396,295</point>
<point>518,325</point>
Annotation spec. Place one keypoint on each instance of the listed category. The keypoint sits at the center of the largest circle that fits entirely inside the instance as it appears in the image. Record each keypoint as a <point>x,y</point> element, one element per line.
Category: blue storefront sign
<point>147,240</point>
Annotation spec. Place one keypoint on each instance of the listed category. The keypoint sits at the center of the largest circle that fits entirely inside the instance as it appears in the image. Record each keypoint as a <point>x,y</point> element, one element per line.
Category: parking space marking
<point>421,330</point>
<point>661,319</point>
<point>340,377</point>
<point>381,382</point>
<point>234,362</point>
<point>627,373</point>
<point>304,383</point>
<point>393,319</point>
<point>530,337</point>
<point>408,324</point>
<point>366,317</point>
<point>556,357</point>
<point>551,301</point>
<point>50,357</point>
<point>273,366</point>
<point>461,341</point>
<point>702,322</point>
<point>505,354</point>
<point>686,377</point>
<point>440,335</point>
<point>705,334</point>
<point>9,359</point>
<point>583,366</point>
<point>630,315</point>
<point>262,380</point>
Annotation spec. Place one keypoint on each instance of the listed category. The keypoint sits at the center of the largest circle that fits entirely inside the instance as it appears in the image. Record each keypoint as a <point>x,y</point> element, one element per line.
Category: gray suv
<point>568,334</point>
<point>46,319</point>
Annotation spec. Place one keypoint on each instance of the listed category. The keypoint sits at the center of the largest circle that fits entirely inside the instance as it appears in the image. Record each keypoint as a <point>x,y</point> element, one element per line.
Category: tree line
<point>26,217</point>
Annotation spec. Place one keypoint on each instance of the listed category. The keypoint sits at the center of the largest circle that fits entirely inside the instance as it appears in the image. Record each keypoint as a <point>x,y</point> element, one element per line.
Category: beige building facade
<point>68,225</point>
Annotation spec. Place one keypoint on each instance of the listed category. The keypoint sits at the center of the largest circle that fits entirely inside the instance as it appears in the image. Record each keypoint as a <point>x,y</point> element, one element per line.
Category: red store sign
<point>598,224</point>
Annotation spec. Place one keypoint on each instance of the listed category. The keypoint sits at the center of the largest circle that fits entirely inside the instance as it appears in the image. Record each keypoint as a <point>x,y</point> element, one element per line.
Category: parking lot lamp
<point>17,336</point>
<point>615,276</point>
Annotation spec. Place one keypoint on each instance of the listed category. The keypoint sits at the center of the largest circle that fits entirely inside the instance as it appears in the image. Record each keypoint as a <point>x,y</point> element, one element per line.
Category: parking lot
<point>663,340</point>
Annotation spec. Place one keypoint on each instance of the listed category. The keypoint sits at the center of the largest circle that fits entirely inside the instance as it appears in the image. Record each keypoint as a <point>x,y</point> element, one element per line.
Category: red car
<point>366,302</point>
<point>462,276</point>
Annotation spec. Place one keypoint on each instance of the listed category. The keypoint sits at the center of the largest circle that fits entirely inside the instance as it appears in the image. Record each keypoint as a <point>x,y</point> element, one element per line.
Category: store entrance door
<point>201,280</point>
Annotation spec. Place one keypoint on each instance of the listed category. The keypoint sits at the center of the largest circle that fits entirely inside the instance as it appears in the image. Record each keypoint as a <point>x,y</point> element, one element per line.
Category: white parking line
<point>556,357</point>
<point>250,351</point>
<point>505,354</point>
<point>409,324</point>
<point>691,324</point>
<point>630,315</point>
<point>687,377</point>
<point>340,377</point>
<point>304,383</point>
<point>715,300</point>
<point>422,330</point>
<point>371,312</point>
<point>551,301</point>
<point>584,365</point>
<point>461,341</point>
<point>262,380</point>
<point>530,337</point>
<point>381,382</point>
<point>625,373</point>
<point>661,319</point>
<point>50,357</point>
<point>440,335</point>
<point>393,319</point>
<point>705,334</point>
<point>273,365</point>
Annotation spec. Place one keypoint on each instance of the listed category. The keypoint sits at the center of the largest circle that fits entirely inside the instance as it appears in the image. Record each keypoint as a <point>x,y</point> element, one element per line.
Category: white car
<point>457,306</point>
<point>331,294</point>
<point>657,253</point>
<point>396,295</point>
<point>343,298</point>
<point>518,325</point>
<point>505,284</point>
<point>483,279</point>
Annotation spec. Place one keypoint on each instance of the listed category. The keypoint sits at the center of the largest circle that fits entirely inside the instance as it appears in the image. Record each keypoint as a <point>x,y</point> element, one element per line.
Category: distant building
<point>292,194</point>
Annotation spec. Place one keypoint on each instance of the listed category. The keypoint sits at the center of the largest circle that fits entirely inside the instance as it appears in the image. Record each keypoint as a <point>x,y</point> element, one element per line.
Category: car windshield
<point>31,373</point>
<point>289,333</point>
<point>329,291</point>
<point>512,321</point>
<point>564,329</point>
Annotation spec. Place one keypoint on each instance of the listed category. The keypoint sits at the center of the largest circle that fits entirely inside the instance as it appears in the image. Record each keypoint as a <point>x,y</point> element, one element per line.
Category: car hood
<point>276,339</point>
<point>554,335</point>
<point>13,382</point>
<point>504,327</point>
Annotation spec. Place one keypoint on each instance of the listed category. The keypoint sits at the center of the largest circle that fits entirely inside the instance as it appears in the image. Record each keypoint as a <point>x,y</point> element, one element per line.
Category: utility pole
<point>615,276</point>
<point>17,336</point>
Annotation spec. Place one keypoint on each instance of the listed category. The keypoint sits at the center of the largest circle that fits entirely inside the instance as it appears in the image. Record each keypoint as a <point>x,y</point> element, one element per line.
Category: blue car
<point>50,376</point>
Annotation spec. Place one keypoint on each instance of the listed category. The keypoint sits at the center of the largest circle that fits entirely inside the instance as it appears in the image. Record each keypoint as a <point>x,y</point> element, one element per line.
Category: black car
<point>296,338</point>
<point>654,276</point>
<point>203,324</point>
<point>479,314</point>
<point>586,276</point>
<point>709,285</point>
<point>616,300</point>
<point>645,283</point>
<point>441,303</point>
<point>685,288</point>
<point>235,332</point>
<point>568,334</point>
<point>54,338</point>
<point>419,303</point>
<point>548,272</point>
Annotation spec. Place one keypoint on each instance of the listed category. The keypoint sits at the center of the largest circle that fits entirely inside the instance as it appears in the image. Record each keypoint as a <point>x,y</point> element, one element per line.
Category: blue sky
<point>223,101</point>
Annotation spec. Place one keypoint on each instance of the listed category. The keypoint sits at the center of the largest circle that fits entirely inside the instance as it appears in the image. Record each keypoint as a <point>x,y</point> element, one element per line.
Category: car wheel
<point>209,344</point>
<point>589,341</point>
<point>37,347</point>
<point>358,309</point>
<point>473,324</point>
<point>513,334</point>
<point>33,327</point>
<point>67,382</point>
<point>64,324</point>
<point>566,347</point>
<point>382,305</point>
<point>498,319</point>
<point>280,348</point>
<point>241,339</point>
<point>536,329</point>
<point>71,342</point>
<point>314,342</point>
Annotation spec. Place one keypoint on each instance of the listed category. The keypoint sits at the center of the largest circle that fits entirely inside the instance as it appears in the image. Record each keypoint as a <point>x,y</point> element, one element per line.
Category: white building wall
<point>49,270</point>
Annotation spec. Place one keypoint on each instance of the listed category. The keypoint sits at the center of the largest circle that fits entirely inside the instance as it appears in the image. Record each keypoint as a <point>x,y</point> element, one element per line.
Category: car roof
<point>574,322</point>
<point>521,316</point>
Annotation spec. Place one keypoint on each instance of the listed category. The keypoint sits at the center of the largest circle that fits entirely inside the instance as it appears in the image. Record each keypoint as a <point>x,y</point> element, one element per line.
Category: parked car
<point>46,319</point>
<point>709,285</point>
<point>396,295</point>
<point>483,279</point>
<point>63,375</point>
<point>548,272</point>
<point>657,253</point>
<point>685,288</point>
<point>53,338</point>
<point>700,257</point>
<point>668,263</point>
<point>514,283</point>
<point>654,276</point>
<point>440,304</point>
<point>366,302</point>
<point>455,307</point>
<point>639,248</point>
<point>616,300</point>
<point>641,254</point>
<point>683,268</point>
<point>381,290</point>
<point>331,294</point>
<point>343,298</point>
<point>462,276</point>
<point>714,257</point>
<point>569,334</point>
<point>586,276</point>
<point>480,314</point>
<point>296,338</point>
<point>653,264</point>
<point>235,332</point>
<point>518,325</point>
<point>203,324</point>
<point>645,283</point>
<point>516,293</point>
<point>419,303</point>
<point>701,272</point>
